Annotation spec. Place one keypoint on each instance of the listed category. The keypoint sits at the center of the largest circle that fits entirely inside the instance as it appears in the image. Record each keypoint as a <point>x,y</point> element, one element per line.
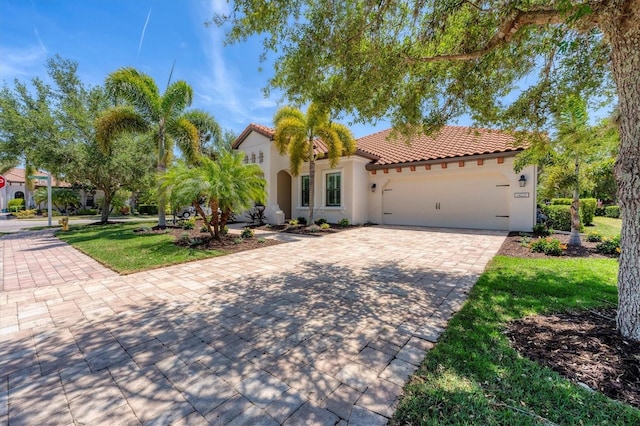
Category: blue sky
<point>104,35</point>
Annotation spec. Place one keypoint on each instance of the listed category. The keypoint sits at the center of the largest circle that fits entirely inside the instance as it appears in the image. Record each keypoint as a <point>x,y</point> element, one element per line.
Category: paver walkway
<point>318,331</point>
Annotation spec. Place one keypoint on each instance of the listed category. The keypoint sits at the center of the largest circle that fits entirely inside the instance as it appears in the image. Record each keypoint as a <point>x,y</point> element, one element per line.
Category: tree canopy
<point>422,63</point>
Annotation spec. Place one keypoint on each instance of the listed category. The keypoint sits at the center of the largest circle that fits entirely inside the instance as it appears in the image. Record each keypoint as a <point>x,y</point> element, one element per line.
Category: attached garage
<point>478,201</point>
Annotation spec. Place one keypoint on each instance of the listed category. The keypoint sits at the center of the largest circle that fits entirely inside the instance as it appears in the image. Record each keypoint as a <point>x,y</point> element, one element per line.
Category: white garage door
<point>478,201</point>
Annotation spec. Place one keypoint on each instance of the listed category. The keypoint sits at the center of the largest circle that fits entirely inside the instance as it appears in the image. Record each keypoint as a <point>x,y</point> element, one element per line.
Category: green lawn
<point>473,376</point>
<point>607,226</point>
<point>119,248</point>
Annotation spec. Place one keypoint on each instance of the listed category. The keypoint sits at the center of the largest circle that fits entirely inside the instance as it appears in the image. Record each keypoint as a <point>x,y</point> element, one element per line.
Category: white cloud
<point>21,62</point>
<point>220,86</point>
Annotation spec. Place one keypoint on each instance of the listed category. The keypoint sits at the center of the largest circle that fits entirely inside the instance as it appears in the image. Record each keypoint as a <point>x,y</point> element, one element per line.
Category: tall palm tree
<point>295,135</point>
<point>146,110</point>
<point>224,184</point>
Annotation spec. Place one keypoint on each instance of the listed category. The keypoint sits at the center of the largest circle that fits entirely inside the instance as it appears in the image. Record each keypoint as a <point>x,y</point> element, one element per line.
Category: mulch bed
<point>512,247</point>
<point>230,243</point>
<point>584,347</point>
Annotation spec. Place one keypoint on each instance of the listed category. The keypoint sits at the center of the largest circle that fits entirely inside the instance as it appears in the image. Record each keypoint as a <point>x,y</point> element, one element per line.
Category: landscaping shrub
<point>321,221</point>
<point>548,246</point>
<point>88,212</point>
<point>587,210</point>
<point>237,240</point>
<point>247,233</point>
<point>15,204</point>
<point>293,222</point>
<point>224,230</point>
<point>594,237</point>
<point>558,217</point>
<point>612,211</point>
<point>302,220</point>
<point>147,209</point>
<point>344,222</point>
<point>325,226</point>
<point>262,240</point>
<point>525,240</point>
<point>24,214</point>
<point>541,230</point>
<point>189,223</point>
<point>610,246</point>
<point>204,228</point>
<point>314,228</point>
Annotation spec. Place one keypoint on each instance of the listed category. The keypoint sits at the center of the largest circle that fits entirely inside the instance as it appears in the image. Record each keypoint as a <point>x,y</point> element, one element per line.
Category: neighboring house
<point>459,178</point>
<point>15,188</point>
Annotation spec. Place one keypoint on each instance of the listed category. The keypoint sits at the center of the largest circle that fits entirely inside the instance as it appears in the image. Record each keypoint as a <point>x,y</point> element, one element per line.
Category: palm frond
<point>115,121</point>
<point>186,136</point>
<point>138,89</point>
<point>288,129</point>
<point>176,98</point>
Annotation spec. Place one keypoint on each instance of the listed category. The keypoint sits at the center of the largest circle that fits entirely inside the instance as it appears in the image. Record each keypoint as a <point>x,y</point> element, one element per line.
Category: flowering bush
<point>610,246</point>
<point>548,246</point>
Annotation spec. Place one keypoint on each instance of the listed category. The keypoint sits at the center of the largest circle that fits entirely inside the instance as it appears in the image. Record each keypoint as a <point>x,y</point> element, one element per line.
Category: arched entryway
<point>284,193</point>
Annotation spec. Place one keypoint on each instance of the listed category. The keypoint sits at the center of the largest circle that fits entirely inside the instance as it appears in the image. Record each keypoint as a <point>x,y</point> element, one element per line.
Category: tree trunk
<point>574,239</point>
<point>161,168</point>
<point>201,212</point>
<point>214,219</point>
<point>623,31</point>
<point>106,206</point>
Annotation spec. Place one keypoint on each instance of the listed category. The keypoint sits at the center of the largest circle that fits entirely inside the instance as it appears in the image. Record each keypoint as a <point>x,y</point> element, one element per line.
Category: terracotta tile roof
<point>263,130</point>
<point>16,175</point>
<point>449,142</point>
<point>319,146</point>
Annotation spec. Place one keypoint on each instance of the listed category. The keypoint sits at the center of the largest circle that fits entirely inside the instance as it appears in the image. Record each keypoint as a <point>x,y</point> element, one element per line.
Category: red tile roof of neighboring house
<point>449,142</point>
<point>16,175</point>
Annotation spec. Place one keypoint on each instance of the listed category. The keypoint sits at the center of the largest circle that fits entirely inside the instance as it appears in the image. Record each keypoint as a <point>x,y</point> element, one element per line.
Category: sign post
<point>49,200</point>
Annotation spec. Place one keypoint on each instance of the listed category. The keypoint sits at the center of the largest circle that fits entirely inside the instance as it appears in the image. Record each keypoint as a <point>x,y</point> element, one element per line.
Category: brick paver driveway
<point>318,331</point>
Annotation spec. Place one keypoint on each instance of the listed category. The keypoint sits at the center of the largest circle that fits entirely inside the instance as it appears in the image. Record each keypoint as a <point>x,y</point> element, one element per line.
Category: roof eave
<point>510,153</point>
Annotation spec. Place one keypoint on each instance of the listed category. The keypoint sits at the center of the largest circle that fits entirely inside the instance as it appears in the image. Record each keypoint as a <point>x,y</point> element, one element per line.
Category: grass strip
<point>473,376</point>
<point>119,248</point>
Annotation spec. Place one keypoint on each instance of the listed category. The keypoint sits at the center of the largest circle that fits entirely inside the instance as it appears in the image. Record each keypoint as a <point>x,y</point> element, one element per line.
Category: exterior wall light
<point>522,181</point>
<point>373,187</point>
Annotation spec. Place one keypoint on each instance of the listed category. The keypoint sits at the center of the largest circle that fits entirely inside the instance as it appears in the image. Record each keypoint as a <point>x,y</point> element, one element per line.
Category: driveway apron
<point>322,330</point>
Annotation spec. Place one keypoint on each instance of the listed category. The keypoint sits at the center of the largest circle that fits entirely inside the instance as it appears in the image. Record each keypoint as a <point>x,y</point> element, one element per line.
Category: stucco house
<point>14,187</point>
<point>458,178</point>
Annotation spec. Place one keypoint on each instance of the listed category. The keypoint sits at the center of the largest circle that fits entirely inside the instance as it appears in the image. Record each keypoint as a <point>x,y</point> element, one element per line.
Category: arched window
<point>19,194</point>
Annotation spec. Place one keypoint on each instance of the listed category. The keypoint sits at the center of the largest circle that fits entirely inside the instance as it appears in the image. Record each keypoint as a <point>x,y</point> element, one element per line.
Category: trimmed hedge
<point>15,204</point>
<point>558,217</point>
<point>561,201</point>
<point>587,209</point>
<point>612,211</point>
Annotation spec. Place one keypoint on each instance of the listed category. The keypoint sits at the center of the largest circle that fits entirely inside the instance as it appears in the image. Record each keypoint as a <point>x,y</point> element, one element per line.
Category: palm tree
<point>225,184</point>
<point>575,140</point>
<point>146,110</point>
<point>295,135</point>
